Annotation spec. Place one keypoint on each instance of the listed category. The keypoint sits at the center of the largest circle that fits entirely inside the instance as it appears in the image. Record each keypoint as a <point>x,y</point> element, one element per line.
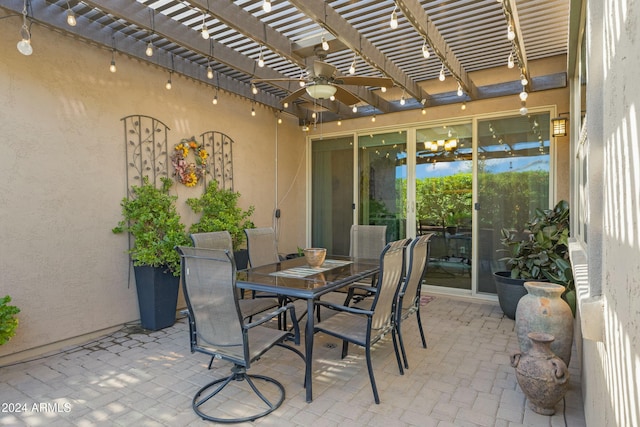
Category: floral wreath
<point>189,173</point>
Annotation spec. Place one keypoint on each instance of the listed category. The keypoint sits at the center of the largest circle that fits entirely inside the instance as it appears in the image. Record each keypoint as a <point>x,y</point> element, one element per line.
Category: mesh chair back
<point>208,283</point>
<point>367,241</point>
<point>417,260</point>
<point>261,245</point>
<point>213,240</point>
<point>391,272</point>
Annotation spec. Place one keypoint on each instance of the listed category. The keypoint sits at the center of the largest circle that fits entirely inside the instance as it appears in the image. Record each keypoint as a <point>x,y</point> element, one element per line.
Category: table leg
<point>308,343</point>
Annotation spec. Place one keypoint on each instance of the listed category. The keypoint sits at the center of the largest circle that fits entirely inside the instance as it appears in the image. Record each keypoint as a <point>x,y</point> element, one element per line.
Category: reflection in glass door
<point>332,193</point>
<point>444,200</point>
<point>382,160</point>
<point>513,180</point>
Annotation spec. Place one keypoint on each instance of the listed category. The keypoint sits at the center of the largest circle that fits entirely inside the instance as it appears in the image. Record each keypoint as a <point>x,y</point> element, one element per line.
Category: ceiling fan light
<point>321,91</point>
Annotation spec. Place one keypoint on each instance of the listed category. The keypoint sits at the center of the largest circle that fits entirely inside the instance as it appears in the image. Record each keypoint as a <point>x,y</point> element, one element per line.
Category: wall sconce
<point>559,126</point>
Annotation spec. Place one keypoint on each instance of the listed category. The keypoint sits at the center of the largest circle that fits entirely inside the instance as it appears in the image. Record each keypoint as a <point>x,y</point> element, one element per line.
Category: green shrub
<point>8,319</point>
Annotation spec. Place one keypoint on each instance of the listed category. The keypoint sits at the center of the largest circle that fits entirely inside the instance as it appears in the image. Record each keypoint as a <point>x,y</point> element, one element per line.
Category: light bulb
<point>71,18</point>
<point>402,100</point>
<point>112,67</point>
<point>254,89</point>
<point>266,6</point>
<point>332,98</point>
<point>394,19</point>
<point>168,85</point>
<point>510,62</point>
<point>339,122</point>
<point>510,33</point>
<point>352,69</point>
<point>523,95</point>
<point>355,109</point>
<point>261,59</point>
<point>204,33</point>
<point>149,51</point>
<point>424,111</point>
<point>24,47</point>
<point>425,50</point>
<point>209,72</point>
<point>460,92</point>
<point>383,89</point>
<point>314,115</point>
<point>286,105</point>
<point>215,100</point>
<point>441,77</point>
<point>373,119</point>
<point>279,120</point>
<point>253,112</point>
<point>523,109</point>
<point>523,80</point>
<point>463,106</point>
<point>325,44</point>
<point>301,83</point>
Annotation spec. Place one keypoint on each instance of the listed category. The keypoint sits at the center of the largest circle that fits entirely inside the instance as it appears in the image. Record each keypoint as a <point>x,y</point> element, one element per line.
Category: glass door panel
<point>332,193</point>
<point>382,160</point>
<point>444,200</point>
<point>513,180</point>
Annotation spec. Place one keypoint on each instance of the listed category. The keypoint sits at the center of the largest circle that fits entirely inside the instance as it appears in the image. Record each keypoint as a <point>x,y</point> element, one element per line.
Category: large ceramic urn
<point>542,376</point>
<point>543,310</point>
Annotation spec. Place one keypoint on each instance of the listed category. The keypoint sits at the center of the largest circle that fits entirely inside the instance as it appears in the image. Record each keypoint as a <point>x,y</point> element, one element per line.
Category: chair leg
<point>345,348</point>
<point>395,348</point>
<point>211,362</point>
<point>371,378</point>
<point>404,353</point>
<point>424,342</point>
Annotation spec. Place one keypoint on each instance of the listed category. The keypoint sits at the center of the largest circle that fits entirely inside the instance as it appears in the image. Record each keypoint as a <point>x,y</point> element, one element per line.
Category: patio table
<point>295,279</point>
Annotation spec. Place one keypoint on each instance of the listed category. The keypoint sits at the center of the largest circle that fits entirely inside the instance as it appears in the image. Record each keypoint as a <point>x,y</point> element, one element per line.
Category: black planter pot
<point>157,296</point>
<point>509,292</point>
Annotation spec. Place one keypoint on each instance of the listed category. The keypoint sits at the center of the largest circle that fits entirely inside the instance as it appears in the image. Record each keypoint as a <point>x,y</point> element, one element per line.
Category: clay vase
<point>543,376</point>
<point>543,310</point>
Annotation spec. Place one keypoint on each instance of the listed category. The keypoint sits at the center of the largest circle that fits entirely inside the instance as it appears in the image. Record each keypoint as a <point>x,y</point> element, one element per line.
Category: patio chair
<point>409,295</point>
<point>365,327</point>
<point>263,250</point>
<point>222,240</point>
<point>217,329</point>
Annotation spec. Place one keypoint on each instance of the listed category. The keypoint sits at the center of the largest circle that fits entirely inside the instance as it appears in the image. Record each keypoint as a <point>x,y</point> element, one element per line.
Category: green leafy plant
<point>544,254</point>
<point>150,216</point>
<point>8,319</point>
<point>220,212</point>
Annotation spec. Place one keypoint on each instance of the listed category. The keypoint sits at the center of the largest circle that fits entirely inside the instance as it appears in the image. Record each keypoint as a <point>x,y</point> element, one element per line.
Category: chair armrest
<point>267,317</point>
<point>353,288</point>
<point>344,308</point>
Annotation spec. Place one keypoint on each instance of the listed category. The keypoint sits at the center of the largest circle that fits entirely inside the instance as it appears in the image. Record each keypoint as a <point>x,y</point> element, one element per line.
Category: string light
<point>214,101</point>
<point>254,89</point>
<point>149,50</point>
<point>441,77</point>
<point>510,61</point>
<point>285,105</point>
<point>460,92</point>
<point>261,58</point>
<point>352,68</point>
<point>393,23</point>
<point>355,109</point>
<point>523,95</point>
<point>373,118</point>
<point>523,80</point>
<point>511,35</point>
<point>168,85</point>
<point>24,45</point>
<point>332,98</point>
<point>424,111</point>
<point>383,89</point>
<point>253,111</point>
<point>339,122</point>
<point>402,99</point>
<point>325,44</point>
<point>266,6</point>
<point>425,49</point>
<point>112,66</point>
<point>523,108</point>
<point>209,72</point>
<point>463,106</point>
<point>71,16</point>
<point>205,32</point>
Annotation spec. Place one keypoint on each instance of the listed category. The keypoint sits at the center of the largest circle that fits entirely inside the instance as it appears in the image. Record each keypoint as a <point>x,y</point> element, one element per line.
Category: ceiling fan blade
<point>293,95</point>
<point>276,80</point>
<point>323,69</point>
<point>366,81</point>
<point>345,96</point>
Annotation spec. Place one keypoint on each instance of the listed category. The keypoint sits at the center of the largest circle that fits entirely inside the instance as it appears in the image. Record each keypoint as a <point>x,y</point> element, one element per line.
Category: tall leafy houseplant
<point>544,254</point>
<point>220,212</point>
<point>8,319</point>
<point>150,216</point>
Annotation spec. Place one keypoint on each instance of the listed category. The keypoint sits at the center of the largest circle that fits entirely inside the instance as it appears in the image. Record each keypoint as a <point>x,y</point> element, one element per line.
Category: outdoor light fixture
<point>24,45</point>
<point>559,126</point>
<point>320,91</point>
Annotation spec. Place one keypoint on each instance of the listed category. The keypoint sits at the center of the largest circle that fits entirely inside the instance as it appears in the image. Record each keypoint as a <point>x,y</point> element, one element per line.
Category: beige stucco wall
<point>611,357</point>
<point>62,176</point>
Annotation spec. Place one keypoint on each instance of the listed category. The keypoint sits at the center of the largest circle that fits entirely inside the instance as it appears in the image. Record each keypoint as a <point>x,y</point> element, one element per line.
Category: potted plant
<point>8,319</point>
<point>542,255</point>
<point>151,218</point>
<point>220,212</point>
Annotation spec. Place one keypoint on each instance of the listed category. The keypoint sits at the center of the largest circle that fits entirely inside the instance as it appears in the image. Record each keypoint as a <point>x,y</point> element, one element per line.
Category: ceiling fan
<point>323,83</point>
